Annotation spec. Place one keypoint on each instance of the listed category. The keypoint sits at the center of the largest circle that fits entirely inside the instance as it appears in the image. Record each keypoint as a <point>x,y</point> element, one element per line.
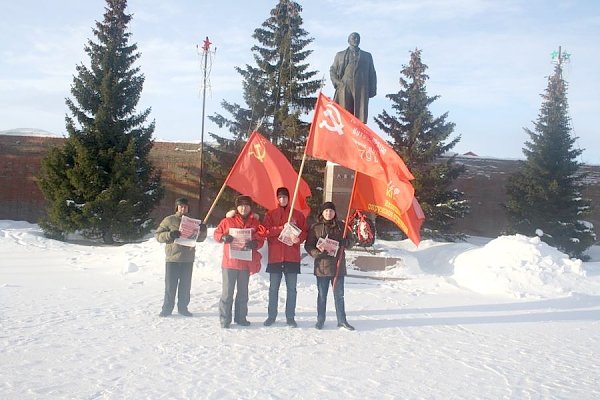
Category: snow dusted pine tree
<point>101,182</point>
<point>278,90</point>
<point>422,141</point>
<point>545,194</point>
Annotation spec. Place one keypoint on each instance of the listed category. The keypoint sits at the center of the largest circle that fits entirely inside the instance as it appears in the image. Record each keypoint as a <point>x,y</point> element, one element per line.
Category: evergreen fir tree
<point>277,90</point>
<point>101,182</point>
<point>544,196</point>
<point>422,141</point>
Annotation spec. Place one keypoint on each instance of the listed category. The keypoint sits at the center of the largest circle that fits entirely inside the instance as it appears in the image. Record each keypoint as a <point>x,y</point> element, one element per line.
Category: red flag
<point>373,195</point>
<point>337,135</point>
<point>260,169</point>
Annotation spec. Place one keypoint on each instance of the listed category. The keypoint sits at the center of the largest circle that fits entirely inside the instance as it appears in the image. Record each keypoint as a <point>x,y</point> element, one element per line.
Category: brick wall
<point>20,160</point>
<point>179,164</point>
<point>483,183</point>
<point>484,186</point>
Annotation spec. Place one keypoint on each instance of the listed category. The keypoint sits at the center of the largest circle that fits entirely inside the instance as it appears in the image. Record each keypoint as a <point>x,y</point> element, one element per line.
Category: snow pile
<point>519,267</point>
<point>130,268</point>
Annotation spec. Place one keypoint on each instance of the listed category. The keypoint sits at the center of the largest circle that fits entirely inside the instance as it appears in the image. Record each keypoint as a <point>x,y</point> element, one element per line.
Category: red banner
<point>338,136</point>
<point>260,169</point>
<point>373,195</point>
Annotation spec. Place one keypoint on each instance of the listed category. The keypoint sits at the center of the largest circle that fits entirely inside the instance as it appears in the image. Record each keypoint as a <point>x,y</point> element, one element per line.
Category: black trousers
<point>178,279</point>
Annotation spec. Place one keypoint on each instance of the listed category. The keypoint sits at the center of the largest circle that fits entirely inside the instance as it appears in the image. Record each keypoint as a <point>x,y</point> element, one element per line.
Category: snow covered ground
<point>508,319</point>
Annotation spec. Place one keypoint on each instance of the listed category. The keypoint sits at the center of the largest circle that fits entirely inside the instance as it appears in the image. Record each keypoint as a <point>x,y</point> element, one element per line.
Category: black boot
<point>346,325</point>
<point>292,322</point>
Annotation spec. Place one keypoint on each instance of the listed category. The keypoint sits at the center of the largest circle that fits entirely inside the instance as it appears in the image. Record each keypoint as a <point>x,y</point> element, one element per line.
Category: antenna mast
<point>559,57</point>
<point>205,48</point>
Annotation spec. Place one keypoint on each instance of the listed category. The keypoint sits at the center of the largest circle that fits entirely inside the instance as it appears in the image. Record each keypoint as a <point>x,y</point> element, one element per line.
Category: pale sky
<point>488,60</point>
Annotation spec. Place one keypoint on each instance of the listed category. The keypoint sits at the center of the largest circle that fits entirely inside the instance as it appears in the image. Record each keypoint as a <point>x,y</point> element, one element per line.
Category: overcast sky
<point>488,59</point>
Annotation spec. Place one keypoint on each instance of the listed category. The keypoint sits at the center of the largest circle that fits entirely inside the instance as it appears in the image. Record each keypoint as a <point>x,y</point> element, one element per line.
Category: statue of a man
<point>354,79</point>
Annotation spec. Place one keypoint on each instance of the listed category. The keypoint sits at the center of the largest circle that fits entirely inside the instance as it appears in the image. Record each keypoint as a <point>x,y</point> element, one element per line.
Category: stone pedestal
<point>376,262</point>
<point>338,186</point>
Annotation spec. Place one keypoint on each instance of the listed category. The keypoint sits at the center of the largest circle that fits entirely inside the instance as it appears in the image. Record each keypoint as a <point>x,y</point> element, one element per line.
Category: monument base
<point>375,263</point>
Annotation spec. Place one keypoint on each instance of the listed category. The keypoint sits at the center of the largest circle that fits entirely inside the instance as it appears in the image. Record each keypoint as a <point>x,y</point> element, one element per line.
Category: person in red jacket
<point>284,259</point>
<point>240,259</point>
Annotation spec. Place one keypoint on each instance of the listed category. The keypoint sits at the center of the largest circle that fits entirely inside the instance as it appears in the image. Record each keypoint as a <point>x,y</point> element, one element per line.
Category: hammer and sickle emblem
<point>391,190</point>
<point>258,151</point>
<point>334,116</point>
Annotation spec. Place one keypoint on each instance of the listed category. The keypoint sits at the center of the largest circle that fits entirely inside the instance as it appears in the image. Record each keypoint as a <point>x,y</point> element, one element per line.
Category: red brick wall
<point>20,160</point>
<point>483,183</point>
<point>179,164</point>
<point>484,186</point>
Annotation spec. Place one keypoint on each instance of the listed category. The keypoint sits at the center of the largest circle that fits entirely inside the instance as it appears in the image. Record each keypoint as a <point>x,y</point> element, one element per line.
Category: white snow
<point>28,132</point>
<point>510,318</point>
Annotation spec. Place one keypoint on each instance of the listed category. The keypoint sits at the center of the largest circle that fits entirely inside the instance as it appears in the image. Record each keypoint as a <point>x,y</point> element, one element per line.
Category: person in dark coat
<point>284,259</point>
<point>236,271</point>
<point>179,260</point>
<point>354,78</point>
<point>329,269</point>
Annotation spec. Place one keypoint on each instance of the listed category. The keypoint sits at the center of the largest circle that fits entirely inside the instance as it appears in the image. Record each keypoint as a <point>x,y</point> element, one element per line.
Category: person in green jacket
<point>179,261</point>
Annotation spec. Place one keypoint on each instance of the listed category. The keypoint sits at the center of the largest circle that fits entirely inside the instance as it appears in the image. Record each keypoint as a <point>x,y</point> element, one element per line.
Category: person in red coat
<point>284,259</point>
<point>240,259</point>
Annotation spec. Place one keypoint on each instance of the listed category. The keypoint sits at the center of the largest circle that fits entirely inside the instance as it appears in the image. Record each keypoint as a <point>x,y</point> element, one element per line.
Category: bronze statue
<point>354,79</point>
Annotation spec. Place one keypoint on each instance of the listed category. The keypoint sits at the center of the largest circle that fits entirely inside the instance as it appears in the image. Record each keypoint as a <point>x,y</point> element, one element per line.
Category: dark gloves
<point>202,233</point>
<point>174,235</point>
<point>251,245</point>
<point>345,242</point>
<point>318,254</point>
<point>226,238</point>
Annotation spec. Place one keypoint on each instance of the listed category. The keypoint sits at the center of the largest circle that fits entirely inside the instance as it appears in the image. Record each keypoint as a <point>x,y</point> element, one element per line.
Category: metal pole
<point>205,48</point>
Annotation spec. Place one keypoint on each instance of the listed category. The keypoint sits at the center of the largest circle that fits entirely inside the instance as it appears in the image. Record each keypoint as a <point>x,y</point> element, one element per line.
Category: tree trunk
<point>107,237</point>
